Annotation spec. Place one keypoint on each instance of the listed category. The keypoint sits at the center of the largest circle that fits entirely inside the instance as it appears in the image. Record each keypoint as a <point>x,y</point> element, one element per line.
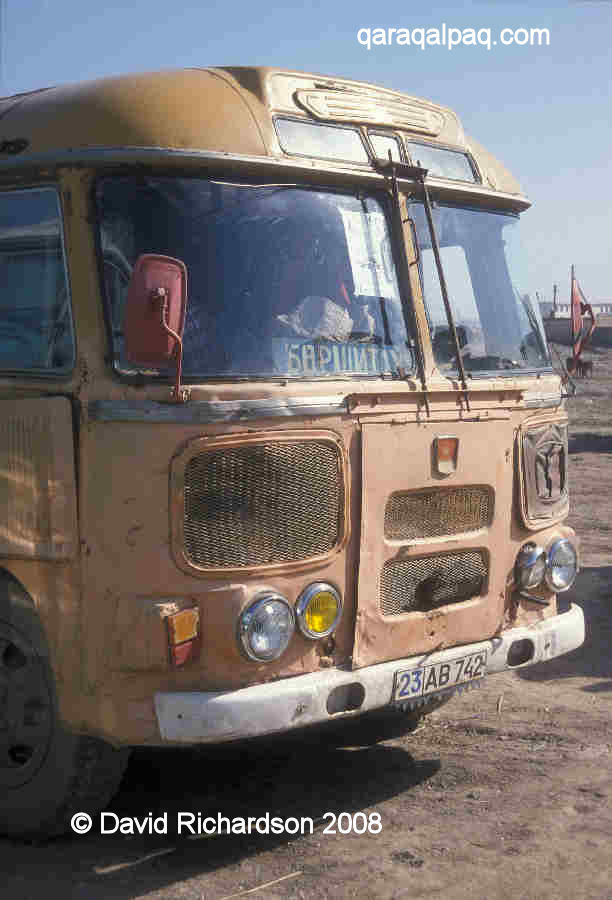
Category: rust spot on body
<point>131,535</point>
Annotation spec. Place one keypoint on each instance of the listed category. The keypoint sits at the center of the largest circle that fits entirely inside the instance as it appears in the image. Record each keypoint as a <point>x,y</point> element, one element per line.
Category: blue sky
<point>545,111</point>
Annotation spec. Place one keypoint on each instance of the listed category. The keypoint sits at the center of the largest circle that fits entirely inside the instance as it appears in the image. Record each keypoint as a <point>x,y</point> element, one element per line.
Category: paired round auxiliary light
<point>318,610</point>
<point>530,566</point>
<point>557,566</point>
<point>266,626</point>
<point>561,565</point>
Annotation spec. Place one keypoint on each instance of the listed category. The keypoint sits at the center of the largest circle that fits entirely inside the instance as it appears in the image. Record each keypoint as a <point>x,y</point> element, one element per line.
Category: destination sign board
<point>322,357</point>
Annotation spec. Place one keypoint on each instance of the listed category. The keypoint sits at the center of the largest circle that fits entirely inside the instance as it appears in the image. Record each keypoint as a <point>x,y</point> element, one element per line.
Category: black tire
<point>46,773</point>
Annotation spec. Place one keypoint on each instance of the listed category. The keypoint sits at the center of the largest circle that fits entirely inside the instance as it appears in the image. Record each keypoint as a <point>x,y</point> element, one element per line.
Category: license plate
<point>411,683</point>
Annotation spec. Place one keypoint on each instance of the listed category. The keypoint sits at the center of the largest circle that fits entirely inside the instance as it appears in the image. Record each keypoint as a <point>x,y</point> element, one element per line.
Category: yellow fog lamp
<point>530,566</point>
<point>318,610</point>
<point>561,565</point>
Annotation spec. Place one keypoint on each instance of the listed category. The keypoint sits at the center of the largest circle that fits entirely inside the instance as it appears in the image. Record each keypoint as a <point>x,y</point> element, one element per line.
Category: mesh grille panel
<point>263,503</point>
<point>414,515</point>
<point>431,581</point>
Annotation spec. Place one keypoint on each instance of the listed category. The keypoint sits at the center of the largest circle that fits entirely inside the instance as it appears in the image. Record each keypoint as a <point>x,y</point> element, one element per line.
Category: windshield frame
<point>439,199</point>
<point>278,180</point>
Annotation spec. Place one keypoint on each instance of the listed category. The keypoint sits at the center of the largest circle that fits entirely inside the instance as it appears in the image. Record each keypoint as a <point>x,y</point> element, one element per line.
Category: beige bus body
<point>93,465</point>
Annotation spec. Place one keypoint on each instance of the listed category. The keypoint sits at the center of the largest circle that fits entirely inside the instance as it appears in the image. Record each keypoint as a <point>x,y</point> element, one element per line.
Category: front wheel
<point>46,773</point>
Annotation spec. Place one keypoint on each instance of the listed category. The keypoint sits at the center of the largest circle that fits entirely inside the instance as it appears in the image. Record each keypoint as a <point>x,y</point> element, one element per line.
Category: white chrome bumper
<point>210,717</point>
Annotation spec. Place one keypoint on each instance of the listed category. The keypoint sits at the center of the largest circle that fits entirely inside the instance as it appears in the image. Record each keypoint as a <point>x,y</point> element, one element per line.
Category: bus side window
<point>35,317</point>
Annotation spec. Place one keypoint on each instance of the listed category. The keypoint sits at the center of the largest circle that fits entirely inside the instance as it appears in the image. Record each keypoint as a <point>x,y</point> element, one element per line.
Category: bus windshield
<point>497,317</point>
<point>283,281</point>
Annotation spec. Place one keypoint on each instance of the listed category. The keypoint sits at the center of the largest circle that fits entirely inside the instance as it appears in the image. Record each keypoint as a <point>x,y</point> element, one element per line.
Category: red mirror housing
<point>153,323</point>
<point>154,318</point>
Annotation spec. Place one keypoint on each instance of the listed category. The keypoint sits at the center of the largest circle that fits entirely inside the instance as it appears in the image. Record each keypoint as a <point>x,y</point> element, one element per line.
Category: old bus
<point>280,438</point>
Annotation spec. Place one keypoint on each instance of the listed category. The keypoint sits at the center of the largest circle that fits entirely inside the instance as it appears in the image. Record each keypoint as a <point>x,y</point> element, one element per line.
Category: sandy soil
<point>504,793</point>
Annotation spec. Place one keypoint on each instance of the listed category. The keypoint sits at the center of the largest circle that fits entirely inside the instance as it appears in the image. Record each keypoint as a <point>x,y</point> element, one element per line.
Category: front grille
<point>436,512</point>
<point>263,503</point>
<point>427,582</point>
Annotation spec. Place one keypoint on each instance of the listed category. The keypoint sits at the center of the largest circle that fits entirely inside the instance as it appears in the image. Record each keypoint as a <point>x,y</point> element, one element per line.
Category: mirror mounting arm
<point>159,298</point>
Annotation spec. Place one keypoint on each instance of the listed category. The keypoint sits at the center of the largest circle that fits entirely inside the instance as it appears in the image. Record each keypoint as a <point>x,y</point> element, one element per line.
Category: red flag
<point>579,306</point>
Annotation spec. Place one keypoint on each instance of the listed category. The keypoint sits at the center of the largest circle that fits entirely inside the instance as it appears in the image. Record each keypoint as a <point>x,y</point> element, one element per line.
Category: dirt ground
<point>506,792</point>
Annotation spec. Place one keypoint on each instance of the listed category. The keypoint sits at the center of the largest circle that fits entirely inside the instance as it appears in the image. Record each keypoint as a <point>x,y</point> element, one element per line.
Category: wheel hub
<point>26,720</point>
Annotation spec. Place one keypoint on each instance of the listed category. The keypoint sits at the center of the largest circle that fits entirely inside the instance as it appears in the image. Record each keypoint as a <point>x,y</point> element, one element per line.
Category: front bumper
<point>214,717</point>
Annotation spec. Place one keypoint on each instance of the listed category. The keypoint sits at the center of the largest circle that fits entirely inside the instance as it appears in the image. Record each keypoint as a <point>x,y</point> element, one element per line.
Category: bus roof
<point>181,110</point>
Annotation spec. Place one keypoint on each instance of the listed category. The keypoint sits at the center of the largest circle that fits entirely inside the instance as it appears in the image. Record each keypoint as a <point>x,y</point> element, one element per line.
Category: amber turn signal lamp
<point>446,452</point>
<point>183,630</point>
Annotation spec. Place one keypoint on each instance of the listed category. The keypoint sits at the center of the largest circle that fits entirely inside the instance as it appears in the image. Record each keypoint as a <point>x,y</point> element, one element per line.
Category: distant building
<point>604,307</point>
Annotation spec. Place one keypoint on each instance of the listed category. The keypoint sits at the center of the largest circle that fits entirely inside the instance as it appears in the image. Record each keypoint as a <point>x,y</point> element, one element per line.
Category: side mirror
<point>154,318</point>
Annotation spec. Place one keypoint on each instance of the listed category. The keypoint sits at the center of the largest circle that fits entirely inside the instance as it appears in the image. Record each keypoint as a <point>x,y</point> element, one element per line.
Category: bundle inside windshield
<point>282,280</point>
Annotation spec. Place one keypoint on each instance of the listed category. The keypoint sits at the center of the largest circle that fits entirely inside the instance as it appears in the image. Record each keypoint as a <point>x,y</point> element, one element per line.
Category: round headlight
<point>265,627</point>
<point>318,610</point>
<point>530,566</point>
<point>561,565</point>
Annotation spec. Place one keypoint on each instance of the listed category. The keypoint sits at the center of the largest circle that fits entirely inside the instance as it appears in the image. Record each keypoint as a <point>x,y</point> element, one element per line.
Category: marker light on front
<point>183,632</point>
<point>265,627</point>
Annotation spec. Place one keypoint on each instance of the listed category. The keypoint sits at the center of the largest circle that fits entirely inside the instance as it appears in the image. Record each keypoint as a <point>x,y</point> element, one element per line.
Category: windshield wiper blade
<point>407,307</point>
<point>529,312</point>
<point>418,174</point>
